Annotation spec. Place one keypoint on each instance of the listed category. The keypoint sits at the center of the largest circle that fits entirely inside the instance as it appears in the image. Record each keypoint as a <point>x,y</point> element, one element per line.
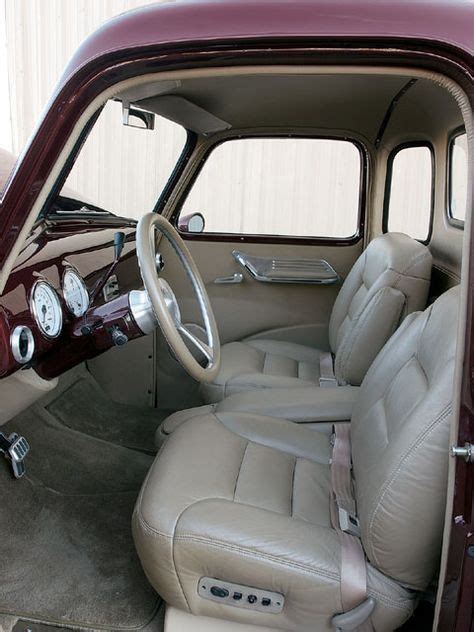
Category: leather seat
<point>246,499</point>
<point>389,280</point>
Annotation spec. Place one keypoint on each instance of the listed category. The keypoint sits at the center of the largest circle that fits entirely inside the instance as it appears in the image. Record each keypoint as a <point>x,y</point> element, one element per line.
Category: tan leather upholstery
<point>388,281</point>
<point>245,498</point>
<point>311,405</point>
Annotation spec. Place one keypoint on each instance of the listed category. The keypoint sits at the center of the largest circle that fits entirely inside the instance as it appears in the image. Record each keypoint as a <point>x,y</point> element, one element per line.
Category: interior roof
<point>354,103</point>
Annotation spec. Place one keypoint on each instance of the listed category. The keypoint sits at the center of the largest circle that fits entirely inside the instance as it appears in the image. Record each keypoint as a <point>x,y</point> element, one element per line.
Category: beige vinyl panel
<point>251,307</point>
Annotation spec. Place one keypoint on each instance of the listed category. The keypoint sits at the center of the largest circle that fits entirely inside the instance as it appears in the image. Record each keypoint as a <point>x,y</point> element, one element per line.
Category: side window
<point>409,192</point>
<point>458,178</point>
<point>278,186</point>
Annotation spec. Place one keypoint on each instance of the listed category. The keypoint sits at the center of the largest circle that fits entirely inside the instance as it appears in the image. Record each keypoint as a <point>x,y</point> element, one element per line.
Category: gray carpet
<point>85,407</point>
<point>66,549</point>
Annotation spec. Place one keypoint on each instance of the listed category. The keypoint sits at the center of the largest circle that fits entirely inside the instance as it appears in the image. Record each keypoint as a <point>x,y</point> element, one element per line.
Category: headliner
<point>355,104</point>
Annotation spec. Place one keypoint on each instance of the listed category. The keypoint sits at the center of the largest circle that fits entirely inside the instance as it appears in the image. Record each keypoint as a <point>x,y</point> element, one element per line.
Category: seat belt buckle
<point>348,522</point>
<point>15,449</point>
<point>327,382</point>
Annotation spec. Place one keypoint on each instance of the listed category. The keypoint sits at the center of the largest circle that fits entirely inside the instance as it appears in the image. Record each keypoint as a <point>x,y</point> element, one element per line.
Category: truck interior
<point>174,483</point>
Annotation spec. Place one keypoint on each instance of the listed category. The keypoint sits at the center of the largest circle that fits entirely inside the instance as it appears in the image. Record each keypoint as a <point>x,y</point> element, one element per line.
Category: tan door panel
<point>299,312</point>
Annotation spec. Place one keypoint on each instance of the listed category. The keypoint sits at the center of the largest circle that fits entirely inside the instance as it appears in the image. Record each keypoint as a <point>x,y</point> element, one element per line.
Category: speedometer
<point>47,309</point>
<point>75,293</point>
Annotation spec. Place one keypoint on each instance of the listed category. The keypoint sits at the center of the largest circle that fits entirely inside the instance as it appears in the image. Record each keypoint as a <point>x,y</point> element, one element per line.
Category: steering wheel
<point>166,306</point>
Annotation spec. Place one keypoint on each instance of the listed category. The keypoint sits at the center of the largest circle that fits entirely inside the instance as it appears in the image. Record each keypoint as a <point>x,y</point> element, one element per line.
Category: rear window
<point>302,187</point>
<point>409,191</point>
<point>458,177</point>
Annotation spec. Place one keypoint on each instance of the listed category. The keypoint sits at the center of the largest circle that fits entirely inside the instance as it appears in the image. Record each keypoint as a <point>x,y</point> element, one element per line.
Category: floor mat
<point>66,545</point>
<point>85,407</point>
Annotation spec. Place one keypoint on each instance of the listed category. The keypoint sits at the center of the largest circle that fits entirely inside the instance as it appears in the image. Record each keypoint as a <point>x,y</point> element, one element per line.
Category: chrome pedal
<point>15,449</point>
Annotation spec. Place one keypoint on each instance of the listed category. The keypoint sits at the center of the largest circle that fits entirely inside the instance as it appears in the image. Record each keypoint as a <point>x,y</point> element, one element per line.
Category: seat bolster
<point>250,546</point>
<point>181,476</point>
<point>173,421</point>
<point>368,334</point>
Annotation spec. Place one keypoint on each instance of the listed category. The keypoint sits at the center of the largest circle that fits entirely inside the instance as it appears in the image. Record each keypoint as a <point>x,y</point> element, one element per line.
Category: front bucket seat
<point>245,500</point>
<point>389,280</point>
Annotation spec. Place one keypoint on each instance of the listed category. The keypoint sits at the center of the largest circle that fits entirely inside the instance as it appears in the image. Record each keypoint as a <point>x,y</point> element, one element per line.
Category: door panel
<point>244,309</point>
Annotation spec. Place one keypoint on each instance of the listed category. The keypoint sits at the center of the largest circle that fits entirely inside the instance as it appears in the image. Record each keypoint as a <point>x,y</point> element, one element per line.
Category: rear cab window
<point>408,205</point>
<point>293,187</point>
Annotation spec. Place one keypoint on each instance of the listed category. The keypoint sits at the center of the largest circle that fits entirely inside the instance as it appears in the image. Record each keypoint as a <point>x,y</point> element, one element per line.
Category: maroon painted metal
<point>50,251</point>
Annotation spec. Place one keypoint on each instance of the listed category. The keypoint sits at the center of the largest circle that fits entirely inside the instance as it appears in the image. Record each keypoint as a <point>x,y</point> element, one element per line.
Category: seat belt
<point>327,379</point>
<point>357,606</point>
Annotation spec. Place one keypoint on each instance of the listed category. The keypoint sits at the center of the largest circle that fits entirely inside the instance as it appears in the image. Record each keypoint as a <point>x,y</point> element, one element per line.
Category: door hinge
<point>466,452</point>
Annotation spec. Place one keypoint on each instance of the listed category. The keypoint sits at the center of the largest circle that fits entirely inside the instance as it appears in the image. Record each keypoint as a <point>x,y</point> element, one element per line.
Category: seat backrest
<point>389,280</point>
<point>400,439</point>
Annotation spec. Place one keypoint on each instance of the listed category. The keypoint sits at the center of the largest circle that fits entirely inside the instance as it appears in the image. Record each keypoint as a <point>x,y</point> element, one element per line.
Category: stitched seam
<point>293,486</point>
<point>418,257</point>
<point>240,468</point>
<point>187,537</point>
<point>393,476</point>
<point>265,356</point>
<point>148,529</point>
<point>399,605</point>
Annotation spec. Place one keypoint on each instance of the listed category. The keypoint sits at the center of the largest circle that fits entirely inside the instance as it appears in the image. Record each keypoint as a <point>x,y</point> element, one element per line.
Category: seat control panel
<point>240,596</point>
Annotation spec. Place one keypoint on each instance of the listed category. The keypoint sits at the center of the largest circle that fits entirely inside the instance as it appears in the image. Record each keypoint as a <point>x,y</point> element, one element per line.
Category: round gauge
<point>75,293</point>
<point>47,309</point>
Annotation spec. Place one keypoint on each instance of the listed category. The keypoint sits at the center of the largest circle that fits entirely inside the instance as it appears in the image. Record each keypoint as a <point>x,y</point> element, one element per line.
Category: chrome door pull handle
<point>238,277</point>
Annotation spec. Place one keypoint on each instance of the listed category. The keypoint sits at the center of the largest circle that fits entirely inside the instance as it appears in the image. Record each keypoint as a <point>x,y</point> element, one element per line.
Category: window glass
<point>410,192</point>
<point>124,169</point>
<point>458,177</point>
<point>279,186</point>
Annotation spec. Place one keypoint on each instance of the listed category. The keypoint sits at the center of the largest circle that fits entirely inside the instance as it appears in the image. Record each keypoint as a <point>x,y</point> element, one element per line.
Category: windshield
<point>123,169</point>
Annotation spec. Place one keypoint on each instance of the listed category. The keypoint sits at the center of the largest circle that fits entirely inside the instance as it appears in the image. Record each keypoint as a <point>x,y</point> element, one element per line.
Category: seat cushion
<point>257,364</point>
<point>246,499</point>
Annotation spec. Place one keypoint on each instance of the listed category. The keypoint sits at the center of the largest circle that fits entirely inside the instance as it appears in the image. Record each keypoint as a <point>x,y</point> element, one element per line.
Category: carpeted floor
<point>66,548</point>
<point>85,407</point>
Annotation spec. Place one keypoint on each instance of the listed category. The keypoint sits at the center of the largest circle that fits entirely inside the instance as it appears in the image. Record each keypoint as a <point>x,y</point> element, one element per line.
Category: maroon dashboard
<point>81,249</point>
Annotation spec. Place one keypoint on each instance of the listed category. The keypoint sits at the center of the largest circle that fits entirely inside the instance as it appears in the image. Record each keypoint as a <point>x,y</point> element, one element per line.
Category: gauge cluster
<point>46,308</point>
<point>75,293</point>
<point>46,304</point>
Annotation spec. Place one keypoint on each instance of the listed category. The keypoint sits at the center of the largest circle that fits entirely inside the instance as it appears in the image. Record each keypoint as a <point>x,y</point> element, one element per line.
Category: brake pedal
<point>15,448</point>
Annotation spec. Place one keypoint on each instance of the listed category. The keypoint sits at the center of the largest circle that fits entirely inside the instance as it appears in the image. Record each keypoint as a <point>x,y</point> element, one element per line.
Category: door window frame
<point>281,239</point>
<point>388,184</point>
<point>453,221</point>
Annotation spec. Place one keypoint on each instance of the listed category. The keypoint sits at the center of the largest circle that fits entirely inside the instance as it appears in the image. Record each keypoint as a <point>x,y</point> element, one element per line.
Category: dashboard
<point>68,297</point>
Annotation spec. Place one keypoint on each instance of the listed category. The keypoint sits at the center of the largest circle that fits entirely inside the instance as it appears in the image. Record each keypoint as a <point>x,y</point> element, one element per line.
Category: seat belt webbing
<point>327,379</point>
<point>343,518</point>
